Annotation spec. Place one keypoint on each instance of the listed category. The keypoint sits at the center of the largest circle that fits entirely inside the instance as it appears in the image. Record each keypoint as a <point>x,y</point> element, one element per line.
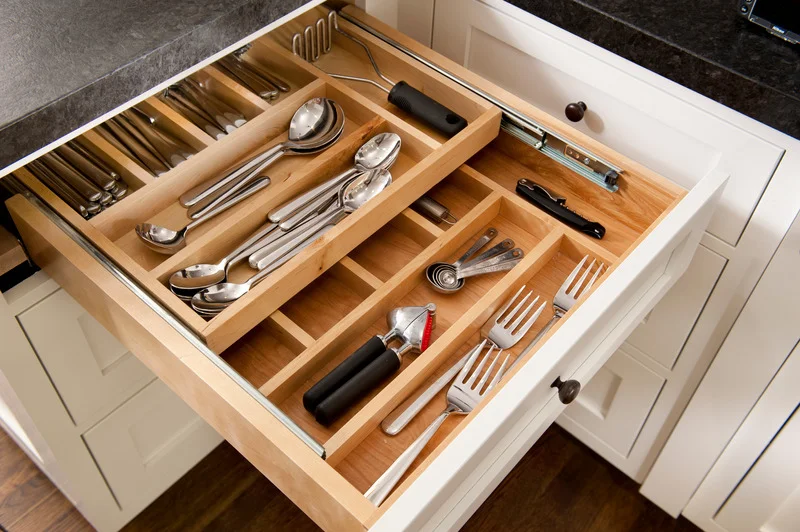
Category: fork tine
<point>462,375</point>
<point>510,302</point>
<point>574,273</point>
<point>486,373</point>
<point>479,369</point>
<point>594,277</point>
<point>528,324</point>
<point>498,375</point>
<point>579,284</point>
<point>522,315</point>
<point>516,309</point>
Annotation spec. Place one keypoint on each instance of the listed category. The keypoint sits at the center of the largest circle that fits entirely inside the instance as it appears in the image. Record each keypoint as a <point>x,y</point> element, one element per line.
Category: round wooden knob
<point>575,111</point>
<point>567,390</point>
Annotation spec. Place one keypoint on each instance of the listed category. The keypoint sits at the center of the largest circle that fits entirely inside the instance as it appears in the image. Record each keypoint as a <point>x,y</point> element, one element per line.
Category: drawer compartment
<point>283,336</point>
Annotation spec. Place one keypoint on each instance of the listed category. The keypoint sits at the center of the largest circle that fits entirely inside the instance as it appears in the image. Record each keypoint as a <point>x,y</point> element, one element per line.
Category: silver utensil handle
<point>292,206</point>
<point>243,249</point>
<point>260,276</point>
<point>205,189</point>
<point>482,241</point>
<point>399,418</point>
<point>272,253</point>
<point>252,189</point>
<point>515,254</point>
<point>490,253</point>
<point>494,268</point>
<point>232,188</point>
<point>378,492</point>
<point>308,211</point>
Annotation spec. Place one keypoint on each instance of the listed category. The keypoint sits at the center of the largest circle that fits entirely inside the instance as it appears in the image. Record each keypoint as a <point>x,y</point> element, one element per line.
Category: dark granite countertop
<point>63,63</point>
<point>702,44</point>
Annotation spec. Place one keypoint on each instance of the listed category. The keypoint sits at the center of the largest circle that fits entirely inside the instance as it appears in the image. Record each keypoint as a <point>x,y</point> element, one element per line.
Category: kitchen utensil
<point>401,94</point>
<point>462,397</point>
<point>487,237</point>
<point>77,202</point>
<point>555,206</point>
<point>433,210</point>
<point>88,169</point>
<point>168,242</point>
<point>315,126</point>
<point>371,364</point>
<point>258,69</point>
<point>351,197</point>
<point>500,333</point>
<point>72,177</point>
<point>76,145</point>
<point>401,323</point>
<point>200,276</point>
<point>214,299</point>
<point>380,151</point>
<point>239,71</point>
<point>141,153</point>
<point>566,297</point>
<point>192,113</point>
<point>172,149</point>
<point>223,114</point>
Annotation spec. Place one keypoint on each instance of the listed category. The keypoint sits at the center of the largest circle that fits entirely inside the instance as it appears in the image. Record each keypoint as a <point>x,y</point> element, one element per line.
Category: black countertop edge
<point>737,89</point>
<point>59,117</point>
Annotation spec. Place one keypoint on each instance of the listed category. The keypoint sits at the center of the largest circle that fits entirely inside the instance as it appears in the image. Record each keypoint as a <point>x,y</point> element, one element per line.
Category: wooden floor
<point>560,485</point>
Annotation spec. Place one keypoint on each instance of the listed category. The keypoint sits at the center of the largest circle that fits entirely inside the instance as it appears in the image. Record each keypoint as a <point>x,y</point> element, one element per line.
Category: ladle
<point>351,197</point>
<point>168,242</point>
<point>380,151</point>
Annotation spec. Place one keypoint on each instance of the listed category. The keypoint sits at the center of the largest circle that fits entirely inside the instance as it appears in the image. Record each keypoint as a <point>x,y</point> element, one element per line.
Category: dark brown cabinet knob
<point>575,111</point>
<point>567,390</point>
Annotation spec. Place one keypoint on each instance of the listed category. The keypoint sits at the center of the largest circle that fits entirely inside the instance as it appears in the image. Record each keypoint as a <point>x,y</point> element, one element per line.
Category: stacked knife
<point>80,178</point>
<point>140,137</point>
<point>196,103</point>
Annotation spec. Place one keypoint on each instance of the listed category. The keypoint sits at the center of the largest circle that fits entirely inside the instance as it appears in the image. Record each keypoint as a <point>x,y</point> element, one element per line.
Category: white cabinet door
<point>91,370</point>
<point>755,484</point>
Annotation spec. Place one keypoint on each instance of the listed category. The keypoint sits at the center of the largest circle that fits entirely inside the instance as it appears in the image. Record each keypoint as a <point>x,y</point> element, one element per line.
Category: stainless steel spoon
<point>169,242</point>
<point>351,197</point>
<point>380,151</point>
<point>308,121</point>
<point>331,133</point>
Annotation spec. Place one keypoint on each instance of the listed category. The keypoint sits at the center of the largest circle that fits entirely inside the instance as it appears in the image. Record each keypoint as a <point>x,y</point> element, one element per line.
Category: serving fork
<point>462,397</point>
<point>504,333</point>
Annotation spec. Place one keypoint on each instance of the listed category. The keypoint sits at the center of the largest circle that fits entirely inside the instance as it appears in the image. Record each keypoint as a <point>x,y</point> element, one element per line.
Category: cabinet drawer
<point>91,370</point>
<point>615,403</point>
<point>551,68</point>
<point>147,444</point>
<point>274,343</point>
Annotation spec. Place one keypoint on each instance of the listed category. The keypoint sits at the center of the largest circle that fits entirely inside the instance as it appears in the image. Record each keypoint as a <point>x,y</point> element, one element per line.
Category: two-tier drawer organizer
<point>245,370</point>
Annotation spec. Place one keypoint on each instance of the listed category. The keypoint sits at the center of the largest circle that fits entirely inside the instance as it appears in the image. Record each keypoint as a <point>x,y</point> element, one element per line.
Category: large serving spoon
<point>308,122</point>
<point>351,197</point>
<point>214,299</point>
<point>380,151</point>
<point>168,241</point>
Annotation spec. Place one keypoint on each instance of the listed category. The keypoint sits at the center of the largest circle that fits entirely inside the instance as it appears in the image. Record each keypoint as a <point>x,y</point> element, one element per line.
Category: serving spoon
<point>306,123</point>
<point>168,241</point>
<point>380,151</point>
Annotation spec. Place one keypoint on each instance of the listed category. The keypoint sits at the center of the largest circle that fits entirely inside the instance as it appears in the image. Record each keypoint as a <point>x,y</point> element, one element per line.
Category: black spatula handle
<point>426,109</point>
<point>357,387</point>
<point>349,367</point>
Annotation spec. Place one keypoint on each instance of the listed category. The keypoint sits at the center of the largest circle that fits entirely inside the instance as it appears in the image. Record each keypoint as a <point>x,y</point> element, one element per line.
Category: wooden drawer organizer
<point>311,313</point>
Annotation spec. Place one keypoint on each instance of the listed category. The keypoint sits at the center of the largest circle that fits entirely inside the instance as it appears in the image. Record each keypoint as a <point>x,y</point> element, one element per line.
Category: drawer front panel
<point>148,443</point>
<point>91,370</point>
<point>614,405</point>
<point>665,329</point>
<point>664,133</point>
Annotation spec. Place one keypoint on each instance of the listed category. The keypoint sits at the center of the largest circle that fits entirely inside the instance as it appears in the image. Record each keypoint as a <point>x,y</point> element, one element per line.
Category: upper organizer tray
<point>240,123</point>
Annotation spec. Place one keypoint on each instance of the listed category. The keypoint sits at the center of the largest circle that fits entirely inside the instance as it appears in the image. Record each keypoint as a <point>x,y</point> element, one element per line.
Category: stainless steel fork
<point>462,397</point>
<point>503,333</point>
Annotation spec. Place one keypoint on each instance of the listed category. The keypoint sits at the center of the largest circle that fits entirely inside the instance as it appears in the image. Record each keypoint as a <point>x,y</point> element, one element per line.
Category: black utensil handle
<point>562,213</point>
<point>426,109</point>
<point>339,375</point>
<point>357,387</point>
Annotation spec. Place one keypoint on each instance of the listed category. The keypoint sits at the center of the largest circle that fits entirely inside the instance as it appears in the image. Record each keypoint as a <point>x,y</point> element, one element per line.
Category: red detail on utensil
<point>426,336</point>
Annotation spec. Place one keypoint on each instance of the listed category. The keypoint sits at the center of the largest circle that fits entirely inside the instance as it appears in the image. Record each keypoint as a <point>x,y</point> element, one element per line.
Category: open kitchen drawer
<point>280,338</point>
